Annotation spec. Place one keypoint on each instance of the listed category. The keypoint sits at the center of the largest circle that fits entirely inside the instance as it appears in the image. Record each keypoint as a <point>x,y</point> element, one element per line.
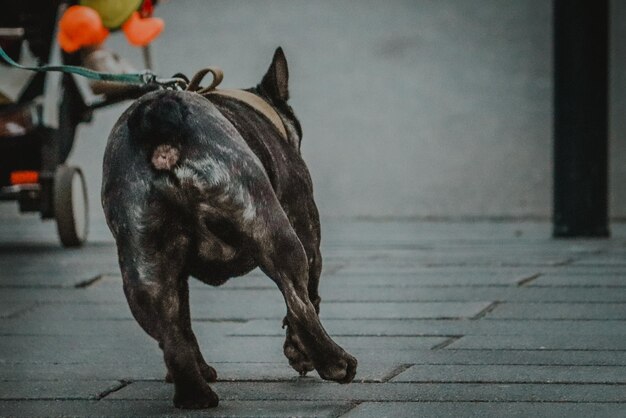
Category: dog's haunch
<point>165,157</point>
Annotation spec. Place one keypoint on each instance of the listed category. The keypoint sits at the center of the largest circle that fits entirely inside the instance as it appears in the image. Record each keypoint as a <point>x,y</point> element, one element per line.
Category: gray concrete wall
<point>410,108</point>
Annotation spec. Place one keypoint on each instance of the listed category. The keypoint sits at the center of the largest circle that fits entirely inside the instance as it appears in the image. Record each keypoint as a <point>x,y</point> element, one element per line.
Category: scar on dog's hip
<point>165,157</point>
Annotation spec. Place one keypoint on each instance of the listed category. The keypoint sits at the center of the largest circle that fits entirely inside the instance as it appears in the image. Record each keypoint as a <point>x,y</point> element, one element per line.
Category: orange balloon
<point>79,27</point>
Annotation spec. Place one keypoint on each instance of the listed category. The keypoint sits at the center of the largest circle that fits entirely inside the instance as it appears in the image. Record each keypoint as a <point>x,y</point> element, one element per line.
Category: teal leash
<point>144,77</point>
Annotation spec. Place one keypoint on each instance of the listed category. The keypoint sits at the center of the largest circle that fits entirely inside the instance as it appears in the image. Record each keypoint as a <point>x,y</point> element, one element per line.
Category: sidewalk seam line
<point>526,280</point>
<point>121,385</point>
<point>489,308</point>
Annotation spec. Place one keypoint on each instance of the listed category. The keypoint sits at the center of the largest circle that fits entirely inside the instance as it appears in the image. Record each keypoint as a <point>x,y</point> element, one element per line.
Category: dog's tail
<point>159,125</point>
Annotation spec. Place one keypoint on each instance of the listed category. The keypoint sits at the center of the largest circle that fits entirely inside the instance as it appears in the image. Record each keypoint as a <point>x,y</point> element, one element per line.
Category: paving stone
<point>136,346</point>
<point>102,311</point>
<point>584,270</point>
<point>205,298</point>
<point>485,410</point>
<point>30,326</point>
<point>12,309</point>
<point>541,342</point>
<point>424,356</point>
<point>59,295</point>
<point>38,265</point>
<point>69,349</point>
<point>420,278</point>
<point>424,278</point>
<point>518,357</point>
<point>580,280</point>
<point>368,372</point>
<point>376,345</point>
<point>513,374</point>
<point>130,362</point>
<point>392,328</point>
<point>423,392</point>
<point>162,408</point>
<point>150,367</point>
<point>388,293</point>
<point>401,310</point>
<point>443,327</point>
<point>221,308</point>
<point>155,370</point>
<point>383,291</point>
<point>615,311</point>
<point>64,389</point>
<point>34,256</point>
<point>615,259</point>
<point>53,279</point>
<point>411,262</point>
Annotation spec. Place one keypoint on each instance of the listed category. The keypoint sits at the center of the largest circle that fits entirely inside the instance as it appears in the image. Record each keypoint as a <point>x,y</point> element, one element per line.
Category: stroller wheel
<point>70,205</point>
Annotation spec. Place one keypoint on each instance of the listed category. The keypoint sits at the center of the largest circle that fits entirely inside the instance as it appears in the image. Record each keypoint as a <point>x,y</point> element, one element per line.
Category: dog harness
<point>255,102</point>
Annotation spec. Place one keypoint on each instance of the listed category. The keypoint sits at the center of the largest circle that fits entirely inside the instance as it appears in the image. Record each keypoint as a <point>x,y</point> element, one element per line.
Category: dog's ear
<point>275,82</point>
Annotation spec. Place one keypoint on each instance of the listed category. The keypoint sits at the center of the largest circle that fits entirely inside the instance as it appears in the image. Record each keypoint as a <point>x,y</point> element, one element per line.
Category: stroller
<point>37,129</point>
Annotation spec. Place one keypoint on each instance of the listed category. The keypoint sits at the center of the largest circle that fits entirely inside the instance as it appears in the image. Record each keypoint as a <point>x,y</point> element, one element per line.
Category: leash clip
<point>148,77</point>
<point>174,83</point>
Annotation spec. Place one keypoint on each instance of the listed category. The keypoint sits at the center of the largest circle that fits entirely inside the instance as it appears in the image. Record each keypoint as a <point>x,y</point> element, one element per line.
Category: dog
<point>209,187</point>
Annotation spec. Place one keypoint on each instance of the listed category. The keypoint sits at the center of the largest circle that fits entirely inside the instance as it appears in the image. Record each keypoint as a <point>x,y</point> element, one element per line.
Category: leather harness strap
<point>251,99</point>
<point>256,103</point>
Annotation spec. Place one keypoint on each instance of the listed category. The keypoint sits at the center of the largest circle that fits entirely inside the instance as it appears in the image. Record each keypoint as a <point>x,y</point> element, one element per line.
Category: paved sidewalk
<point>446,319</point>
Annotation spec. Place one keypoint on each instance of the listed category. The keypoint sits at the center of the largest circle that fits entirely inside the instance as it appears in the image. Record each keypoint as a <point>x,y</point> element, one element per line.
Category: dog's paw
<point>341,370</point>
<point>196,398</point>
<point>294,351</point>
<point>208,372</point>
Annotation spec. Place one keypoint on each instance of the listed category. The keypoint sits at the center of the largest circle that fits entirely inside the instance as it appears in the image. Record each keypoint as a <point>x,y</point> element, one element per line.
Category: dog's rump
<point>208,172</point>
<point>175,125</point>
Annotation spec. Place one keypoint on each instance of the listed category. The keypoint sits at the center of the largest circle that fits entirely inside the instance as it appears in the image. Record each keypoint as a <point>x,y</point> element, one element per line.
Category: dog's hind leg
<point>306,224</point>
<point>208,372</point>
<point>154,293</point>
<point>307,227</point>
<point>283,258</point>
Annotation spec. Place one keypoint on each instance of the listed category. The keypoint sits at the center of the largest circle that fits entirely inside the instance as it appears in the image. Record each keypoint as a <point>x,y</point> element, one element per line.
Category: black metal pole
<point>581,118</point>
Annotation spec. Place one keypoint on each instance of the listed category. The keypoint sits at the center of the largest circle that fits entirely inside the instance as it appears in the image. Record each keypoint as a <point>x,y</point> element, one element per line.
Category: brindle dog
<point>210,188</point>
